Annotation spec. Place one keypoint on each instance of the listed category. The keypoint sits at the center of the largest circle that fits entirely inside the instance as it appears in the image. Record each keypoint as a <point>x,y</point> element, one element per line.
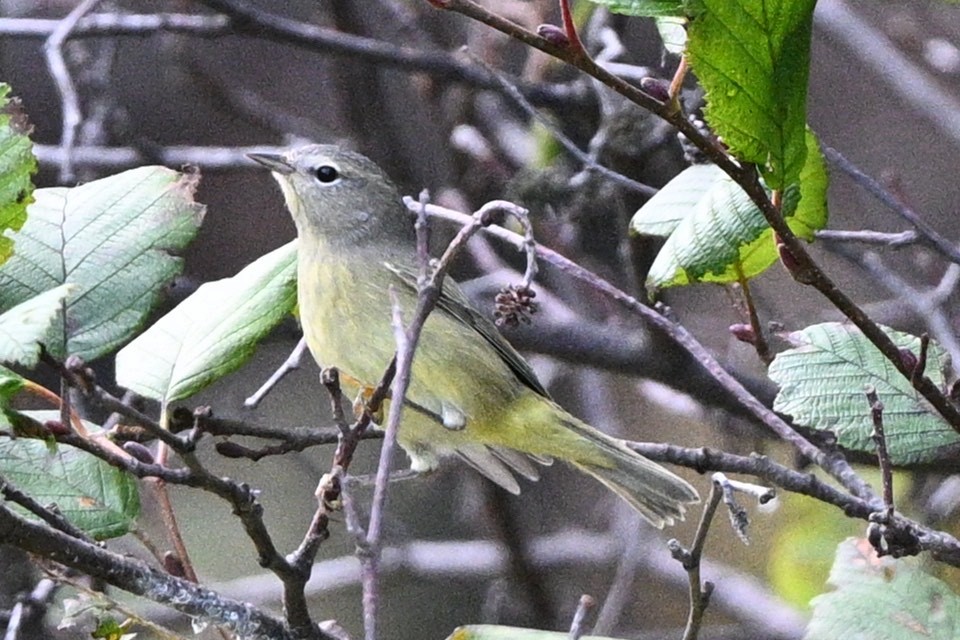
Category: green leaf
<point>94,496</point>
<point>752,58</point>
<point>809,215</point>
<point>882,599</point>
<point>649,8</point>
<point>714,231</point>
<point>111,238</point>
<point>498,632</point>
<point>212,332</point>
<point>17,165</point>
<point>822,381</point>
<point>25,326</point>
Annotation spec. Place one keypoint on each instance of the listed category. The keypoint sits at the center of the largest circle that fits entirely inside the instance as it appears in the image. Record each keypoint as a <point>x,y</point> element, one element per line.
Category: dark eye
<point>326,173</point>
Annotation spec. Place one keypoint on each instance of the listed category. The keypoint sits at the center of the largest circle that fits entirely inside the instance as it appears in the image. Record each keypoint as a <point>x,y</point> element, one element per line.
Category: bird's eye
<point>326,173</point>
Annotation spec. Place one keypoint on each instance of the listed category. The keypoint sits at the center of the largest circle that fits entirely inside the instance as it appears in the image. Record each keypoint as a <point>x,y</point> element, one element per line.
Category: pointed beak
<point>272,161</point>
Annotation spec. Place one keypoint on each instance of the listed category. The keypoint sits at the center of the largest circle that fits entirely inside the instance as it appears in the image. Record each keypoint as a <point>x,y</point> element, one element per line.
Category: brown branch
<point>806,271</point>
<point>140,579</point>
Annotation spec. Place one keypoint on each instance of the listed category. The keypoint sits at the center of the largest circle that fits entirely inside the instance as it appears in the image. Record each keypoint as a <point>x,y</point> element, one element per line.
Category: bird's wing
<point>454,302</point>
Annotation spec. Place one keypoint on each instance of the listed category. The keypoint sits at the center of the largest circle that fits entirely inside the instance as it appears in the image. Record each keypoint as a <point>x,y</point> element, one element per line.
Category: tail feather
<point>658,494</point>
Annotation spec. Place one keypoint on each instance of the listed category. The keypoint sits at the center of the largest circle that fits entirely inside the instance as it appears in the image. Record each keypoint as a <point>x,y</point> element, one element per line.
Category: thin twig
<point>588,161</point>
<point>579,623</point>
<point>928,235</point>
<point>690,559</point>
<point>883,456</point>
<point>759,337</point>
<point>866,236</point>
<point>292,363</point>
<point>407,339</point>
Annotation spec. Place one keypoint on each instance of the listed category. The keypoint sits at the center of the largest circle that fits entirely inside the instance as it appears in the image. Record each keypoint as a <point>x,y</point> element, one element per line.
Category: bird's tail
<point>659,495</point>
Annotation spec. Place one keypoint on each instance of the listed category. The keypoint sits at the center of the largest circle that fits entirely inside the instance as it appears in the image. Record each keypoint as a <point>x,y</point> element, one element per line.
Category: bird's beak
<point>272,161</point>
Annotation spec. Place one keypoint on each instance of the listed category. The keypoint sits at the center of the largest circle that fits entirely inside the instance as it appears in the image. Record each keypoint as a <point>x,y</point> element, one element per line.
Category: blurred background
<point>884,91</point>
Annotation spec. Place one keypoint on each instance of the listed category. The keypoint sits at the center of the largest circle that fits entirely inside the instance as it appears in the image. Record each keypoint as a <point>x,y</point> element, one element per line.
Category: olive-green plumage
<point>471,395</point>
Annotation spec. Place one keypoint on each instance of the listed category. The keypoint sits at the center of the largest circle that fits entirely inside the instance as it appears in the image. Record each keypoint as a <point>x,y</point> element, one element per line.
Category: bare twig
<point>928,235</point>
<point>759,338</point>
<point>690,559</point>
<point>588,161</point>
<point>579,623</point>
<point>865,236</point>
<point>26,607</point>
<point>290,364</point>
<point>209,158</point>
<point>880,438</point>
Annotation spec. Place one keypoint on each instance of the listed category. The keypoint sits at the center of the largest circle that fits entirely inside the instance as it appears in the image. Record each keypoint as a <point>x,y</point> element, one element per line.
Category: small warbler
<point>471,395</point>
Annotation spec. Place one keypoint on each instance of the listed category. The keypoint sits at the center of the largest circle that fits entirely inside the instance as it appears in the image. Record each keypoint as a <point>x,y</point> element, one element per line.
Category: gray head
<point>339,197</point>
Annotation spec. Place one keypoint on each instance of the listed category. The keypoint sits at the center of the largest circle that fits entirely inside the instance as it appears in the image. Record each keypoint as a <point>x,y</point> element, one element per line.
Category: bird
<point>472,397</point>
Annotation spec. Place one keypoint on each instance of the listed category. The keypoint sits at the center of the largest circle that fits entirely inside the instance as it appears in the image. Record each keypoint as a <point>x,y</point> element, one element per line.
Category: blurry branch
<point>927,304</point>
<point>138,578</point>
<point>927,234</point>
<point>892,240</point>
<point>871,46</point>
<point>743,597</point>
<point>33,604</point>
<point>567,47</point>
<point>578,626</point>
<point>99,25</point>
<point>62,79</point>
<point>242,18</point>
<point>126,157</point>
<point>589,161</point>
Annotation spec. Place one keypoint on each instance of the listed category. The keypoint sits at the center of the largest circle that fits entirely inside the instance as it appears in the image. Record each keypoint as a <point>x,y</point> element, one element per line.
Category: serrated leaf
<point>17,165</point>
<point>212,332</point>
<point>752,57</point>
<point>715,232</point>
<point>25,326</point>
<point>822,381</point>
<point>111,238</point>
<point>882,599</point>
<point>648,8</point>
<point>94,496</point>
<point>500,632</point>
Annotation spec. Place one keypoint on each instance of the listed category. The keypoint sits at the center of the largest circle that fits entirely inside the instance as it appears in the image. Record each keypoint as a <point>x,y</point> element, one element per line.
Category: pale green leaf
<point>94,496</point>
<point>882,599</point>
<point>666,210</point>
<point>17,165</point>
<point>212,332</point>
<point>822,381</point>
<point>25,326</point>
<point>752,57</point>
<point>112,238</point>
<point>714,231</point>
